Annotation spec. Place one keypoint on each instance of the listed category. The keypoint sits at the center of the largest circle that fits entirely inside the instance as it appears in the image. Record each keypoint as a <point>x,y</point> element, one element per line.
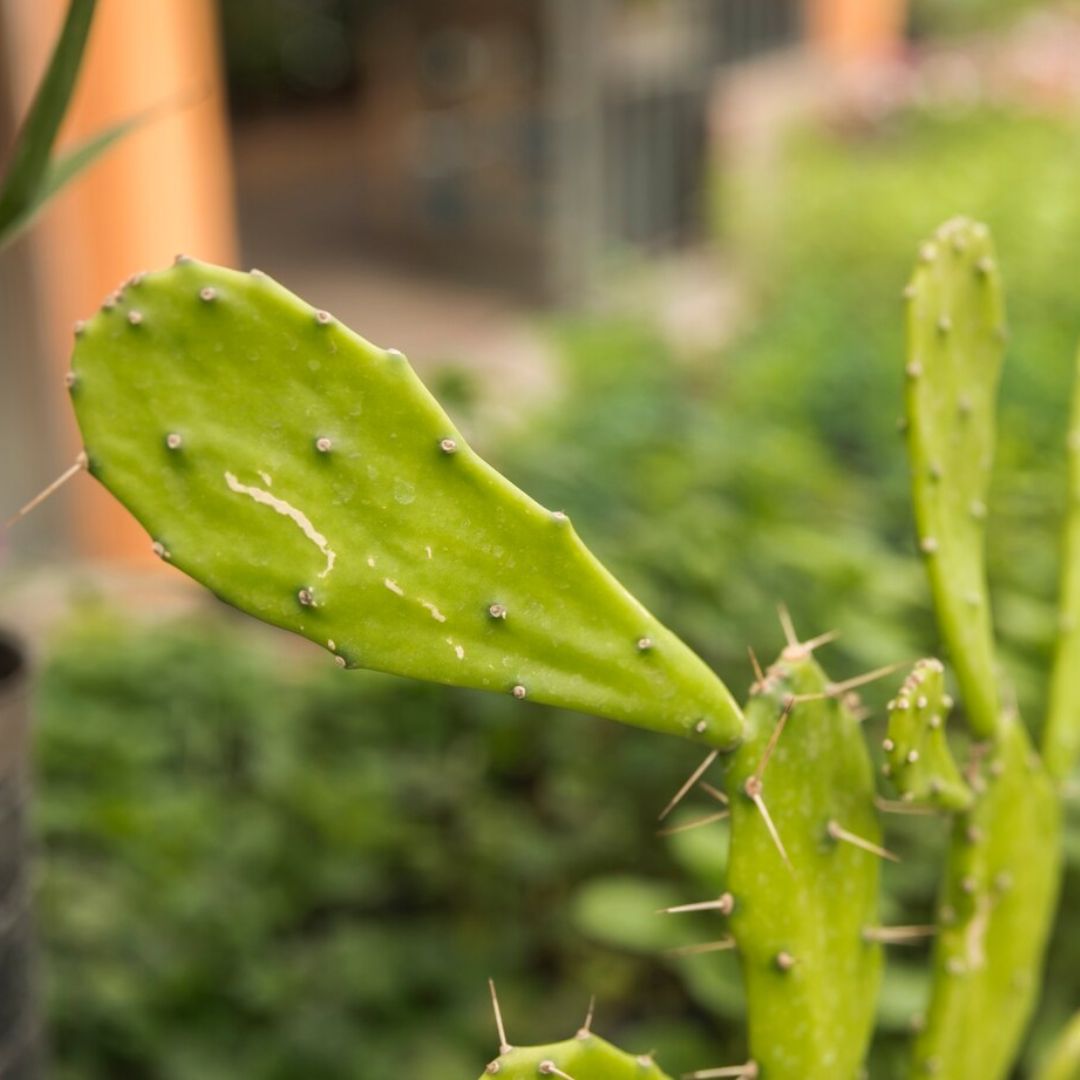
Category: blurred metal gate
<point>543,137</point>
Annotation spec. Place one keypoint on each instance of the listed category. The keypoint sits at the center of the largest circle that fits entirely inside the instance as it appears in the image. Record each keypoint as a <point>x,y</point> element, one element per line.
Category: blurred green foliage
<point>933,17</point>
<point>256,866</point>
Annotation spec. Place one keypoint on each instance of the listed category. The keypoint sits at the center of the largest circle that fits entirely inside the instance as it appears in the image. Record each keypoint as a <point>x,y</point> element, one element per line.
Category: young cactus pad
<point>955,320</point>
<point>308,478</point>
<point>919,759</point>
<point>585,1057</point>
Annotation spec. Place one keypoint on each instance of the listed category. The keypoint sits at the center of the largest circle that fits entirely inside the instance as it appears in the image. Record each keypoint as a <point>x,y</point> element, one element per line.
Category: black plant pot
<point>20,1041</point>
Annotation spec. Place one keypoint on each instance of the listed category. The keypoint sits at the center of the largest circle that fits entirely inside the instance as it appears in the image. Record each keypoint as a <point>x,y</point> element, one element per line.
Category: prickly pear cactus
<point>308,478</point>
<point>1000,888</point>
<point>920,762</point>
<point>803,875</point>
<point>585,1057</point>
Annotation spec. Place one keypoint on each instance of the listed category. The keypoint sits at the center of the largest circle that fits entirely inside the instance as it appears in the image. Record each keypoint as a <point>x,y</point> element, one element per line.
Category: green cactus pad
<point>1061,740</point>
<point>955,323</point>
<point>920,762</point>
<point>585,1057</point>
<point>308,478</point>
<point>801,926</point>
<point>995,913</point>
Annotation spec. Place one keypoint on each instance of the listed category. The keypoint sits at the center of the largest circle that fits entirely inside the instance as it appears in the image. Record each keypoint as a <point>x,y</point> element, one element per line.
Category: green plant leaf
<point>65,168</point>
<point>33,148</point>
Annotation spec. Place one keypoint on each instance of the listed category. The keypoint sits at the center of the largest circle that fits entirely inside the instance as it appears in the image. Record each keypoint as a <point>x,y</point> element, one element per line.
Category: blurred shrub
<point>253,867</point>
<point>931,17</point>
<point>274,869</point>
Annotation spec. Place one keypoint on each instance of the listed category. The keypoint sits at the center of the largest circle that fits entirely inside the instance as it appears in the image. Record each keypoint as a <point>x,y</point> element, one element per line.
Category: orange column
<point>165,189</point>
<point>856,31</point>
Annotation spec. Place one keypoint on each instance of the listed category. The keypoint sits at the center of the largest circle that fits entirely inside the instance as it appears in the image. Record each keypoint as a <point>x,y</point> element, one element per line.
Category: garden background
<point>248,862</point>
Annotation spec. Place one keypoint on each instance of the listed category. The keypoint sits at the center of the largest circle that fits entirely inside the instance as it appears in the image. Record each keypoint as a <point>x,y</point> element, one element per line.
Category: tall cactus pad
<point>803,917</point>
<point>1061,740</point>
<point>308,478</point>
<point>1063,1061</point>
<point>995,913</point>
<point>919,759</point>
<point>586,1057</point>
<point>955,324</point>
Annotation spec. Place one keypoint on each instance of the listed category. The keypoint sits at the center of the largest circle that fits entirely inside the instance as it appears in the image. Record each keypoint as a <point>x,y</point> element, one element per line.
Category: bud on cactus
<point>585,1057</point>
<point>920,762</point>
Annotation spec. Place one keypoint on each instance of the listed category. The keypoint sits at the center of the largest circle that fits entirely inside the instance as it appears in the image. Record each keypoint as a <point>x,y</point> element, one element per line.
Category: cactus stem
<point>720,945</point>
<point>694,777</point>
<point>586,1028</point>
<point>749,1071</point>
<point>752,789</point>
<point>504,1046</point>
<point>80,464</point>
<point>725,904</point>
<point>837,832</point>
<point>898,935</point>
<point>697,823</point>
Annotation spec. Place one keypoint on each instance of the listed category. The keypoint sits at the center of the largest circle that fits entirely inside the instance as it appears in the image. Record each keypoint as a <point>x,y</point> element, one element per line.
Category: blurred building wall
<point>166,189</point>
<point>856,32</point>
